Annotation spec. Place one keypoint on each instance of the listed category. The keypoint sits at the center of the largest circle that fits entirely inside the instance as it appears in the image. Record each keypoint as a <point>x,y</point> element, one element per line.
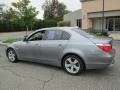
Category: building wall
<point>96,6</point>
<point>73,17</point>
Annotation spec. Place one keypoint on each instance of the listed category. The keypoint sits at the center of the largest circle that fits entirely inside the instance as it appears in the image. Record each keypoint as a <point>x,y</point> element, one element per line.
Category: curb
<point>3,44</point>
<point>116,40</point>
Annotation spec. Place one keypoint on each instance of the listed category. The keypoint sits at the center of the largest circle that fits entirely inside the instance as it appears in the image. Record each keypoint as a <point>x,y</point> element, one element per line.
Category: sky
<point>72,5</point>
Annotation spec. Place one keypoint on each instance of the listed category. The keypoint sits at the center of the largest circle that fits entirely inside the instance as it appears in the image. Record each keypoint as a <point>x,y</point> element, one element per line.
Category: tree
<point>22,12</point>
<point>54,10</point>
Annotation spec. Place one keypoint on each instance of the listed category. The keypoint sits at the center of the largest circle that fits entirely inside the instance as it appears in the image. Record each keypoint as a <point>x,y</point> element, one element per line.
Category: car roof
<point>58,28</point>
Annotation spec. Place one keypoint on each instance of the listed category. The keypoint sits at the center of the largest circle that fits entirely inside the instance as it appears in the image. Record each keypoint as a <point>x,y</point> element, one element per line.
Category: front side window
<point>37,36</point>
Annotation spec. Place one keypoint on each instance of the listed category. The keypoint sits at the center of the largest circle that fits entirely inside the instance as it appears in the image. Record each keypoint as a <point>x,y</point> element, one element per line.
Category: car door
<point>30,49</point>
<point>53,46</point>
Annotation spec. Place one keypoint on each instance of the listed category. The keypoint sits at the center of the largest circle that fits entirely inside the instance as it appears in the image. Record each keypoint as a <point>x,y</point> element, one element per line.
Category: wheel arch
<point>84,65</point>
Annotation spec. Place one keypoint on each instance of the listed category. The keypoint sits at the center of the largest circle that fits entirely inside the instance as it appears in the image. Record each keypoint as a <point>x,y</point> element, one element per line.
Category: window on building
<point>79,23</point>
<point>113,23</point>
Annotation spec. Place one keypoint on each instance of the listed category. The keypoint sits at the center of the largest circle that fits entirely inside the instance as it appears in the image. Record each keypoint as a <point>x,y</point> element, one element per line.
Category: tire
<point>12,56</point>
<point>73,65</point>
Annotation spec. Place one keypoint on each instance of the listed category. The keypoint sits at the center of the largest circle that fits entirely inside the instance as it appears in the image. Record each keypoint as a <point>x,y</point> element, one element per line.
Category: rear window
<point>83,33</point>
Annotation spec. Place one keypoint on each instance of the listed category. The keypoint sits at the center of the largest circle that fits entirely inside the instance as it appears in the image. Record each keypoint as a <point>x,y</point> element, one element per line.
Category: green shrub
<point>98,34</point>
<point>45,23</point>
<point>63,23</point>
<point>105,34</point>
<point>8,26</point>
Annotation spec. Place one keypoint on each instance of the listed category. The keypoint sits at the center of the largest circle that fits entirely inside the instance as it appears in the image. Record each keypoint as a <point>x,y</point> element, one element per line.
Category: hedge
<point>63,23</point>
<point>6,26</point>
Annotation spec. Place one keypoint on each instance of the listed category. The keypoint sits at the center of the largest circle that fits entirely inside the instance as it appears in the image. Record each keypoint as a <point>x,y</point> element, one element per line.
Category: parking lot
<point>32,76</point>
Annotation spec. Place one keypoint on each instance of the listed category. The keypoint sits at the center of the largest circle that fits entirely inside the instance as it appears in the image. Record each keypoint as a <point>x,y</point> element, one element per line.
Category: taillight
<point>105,47</point>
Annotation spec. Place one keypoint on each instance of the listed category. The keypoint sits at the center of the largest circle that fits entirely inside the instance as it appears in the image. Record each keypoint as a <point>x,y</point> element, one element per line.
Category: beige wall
<point>96,6</point>
<point>72,17</point>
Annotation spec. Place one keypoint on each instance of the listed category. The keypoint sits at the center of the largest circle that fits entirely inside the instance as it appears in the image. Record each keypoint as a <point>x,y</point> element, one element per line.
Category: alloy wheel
<point>72,65</point>
<point>11,55</point>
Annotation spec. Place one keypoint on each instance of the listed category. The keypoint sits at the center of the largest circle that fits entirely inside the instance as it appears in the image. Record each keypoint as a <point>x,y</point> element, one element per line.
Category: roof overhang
<point>86,0</point>
<point>106,14</point>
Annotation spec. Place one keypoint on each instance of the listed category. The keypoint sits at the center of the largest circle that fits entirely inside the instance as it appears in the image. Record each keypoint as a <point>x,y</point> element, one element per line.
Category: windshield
<point>83,33</point>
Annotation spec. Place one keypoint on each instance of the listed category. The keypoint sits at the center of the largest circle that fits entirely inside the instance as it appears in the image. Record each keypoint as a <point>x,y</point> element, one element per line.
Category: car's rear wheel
<point>11,54</point>
<point>73,64</point>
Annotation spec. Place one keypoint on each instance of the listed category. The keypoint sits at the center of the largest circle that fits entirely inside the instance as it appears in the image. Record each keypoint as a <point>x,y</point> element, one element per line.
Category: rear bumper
<point>97,66</point>
<point>102,62</point>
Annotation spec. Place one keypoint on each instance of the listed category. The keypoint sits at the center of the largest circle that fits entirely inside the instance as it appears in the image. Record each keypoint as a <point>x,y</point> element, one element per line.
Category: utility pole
<point>103,15</point>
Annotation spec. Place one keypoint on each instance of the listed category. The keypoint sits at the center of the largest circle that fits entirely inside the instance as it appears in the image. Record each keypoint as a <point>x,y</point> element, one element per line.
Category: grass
<point>11,40</point>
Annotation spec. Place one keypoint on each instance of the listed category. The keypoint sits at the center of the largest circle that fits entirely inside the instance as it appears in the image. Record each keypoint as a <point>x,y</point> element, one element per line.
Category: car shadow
<point>99,72</point>
<point>90,73</point>
<point>40,65</point>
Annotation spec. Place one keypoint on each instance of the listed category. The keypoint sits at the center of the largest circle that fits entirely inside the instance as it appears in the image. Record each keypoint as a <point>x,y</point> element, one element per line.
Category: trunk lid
<point>101,40</point>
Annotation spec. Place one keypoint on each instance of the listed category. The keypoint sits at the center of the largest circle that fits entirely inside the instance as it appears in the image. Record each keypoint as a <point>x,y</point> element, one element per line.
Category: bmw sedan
<point>68,47</point>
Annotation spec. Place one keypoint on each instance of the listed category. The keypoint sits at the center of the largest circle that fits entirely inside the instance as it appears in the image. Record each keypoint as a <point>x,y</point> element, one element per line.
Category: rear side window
<point>57,35</point>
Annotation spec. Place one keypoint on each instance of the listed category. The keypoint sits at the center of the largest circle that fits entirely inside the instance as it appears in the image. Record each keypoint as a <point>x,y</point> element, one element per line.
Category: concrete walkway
<point>115,36</point>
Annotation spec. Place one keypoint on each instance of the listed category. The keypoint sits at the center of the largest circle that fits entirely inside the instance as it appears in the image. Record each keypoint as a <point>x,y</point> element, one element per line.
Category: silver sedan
<point>66,47</point>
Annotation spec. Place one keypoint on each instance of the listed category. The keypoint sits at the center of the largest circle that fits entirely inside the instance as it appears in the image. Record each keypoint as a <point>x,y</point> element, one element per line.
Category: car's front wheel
<point>73,64</point>
<point>12,55</point>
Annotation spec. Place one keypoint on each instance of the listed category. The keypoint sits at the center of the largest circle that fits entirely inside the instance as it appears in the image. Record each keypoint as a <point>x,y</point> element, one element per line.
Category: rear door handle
<point>60,45</point>
<point>37,44</point>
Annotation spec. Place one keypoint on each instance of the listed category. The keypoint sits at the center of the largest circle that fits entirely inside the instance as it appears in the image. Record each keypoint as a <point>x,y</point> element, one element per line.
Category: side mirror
<point>25,38</point>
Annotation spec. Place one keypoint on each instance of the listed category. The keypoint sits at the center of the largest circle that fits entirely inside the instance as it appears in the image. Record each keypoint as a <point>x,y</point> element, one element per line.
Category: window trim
<point>44,39</point>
